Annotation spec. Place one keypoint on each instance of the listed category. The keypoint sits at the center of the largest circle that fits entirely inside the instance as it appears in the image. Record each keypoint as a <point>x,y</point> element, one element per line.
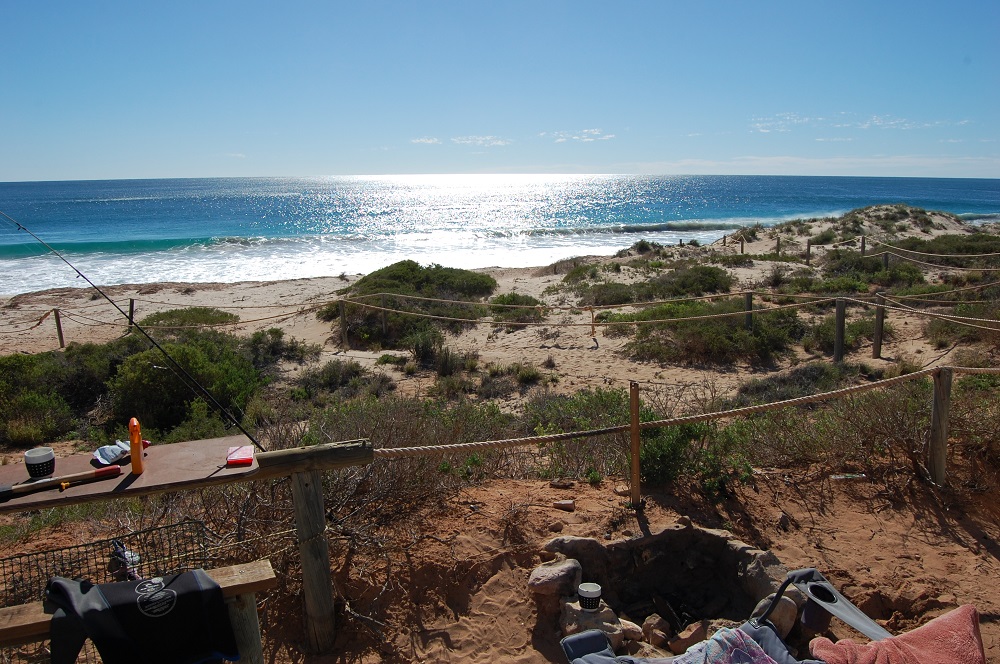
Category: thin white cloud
<point>481,141</point>
<point>841,139</point>
<point>582,136</point>
<point>237,155</point>
<point>427,140</point>
<point>786,122</point>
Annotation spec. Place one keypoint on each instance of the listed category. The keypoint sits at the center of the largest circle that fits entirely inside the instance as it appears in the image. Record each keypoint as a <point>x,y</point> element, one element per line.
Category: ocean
<point>239,229</point>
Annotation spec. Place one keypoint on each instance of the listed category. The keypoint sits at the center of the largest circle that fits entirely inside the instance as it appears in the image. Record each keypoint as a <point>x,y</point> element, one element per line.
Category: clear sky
<point>124,89</point>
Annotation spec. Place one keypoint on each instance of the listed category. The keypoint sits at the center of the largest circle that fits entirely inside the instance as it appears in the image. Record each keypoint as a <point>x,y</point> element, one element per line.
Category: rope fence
<point>937,450</point>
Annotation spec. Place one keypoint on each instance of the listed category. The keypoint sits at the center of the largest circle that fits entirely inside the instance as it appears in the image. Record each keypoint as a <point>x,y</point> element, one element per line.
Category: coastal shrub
<point>722,340</point>
<point>178,323</point>
<point>424,343</point>
<point>200,423</point>
<point>447,362</point>
<point>608,294</point>
<point>268,347</point>
<point>410,278</point>
<point>957,250</point>
<point>548,413</point>
<point>849,263</point>
<point>695,280</point>
<point>152,389</point>
<point>665,452</point>
<point>494,386</point>
<point>452,295</point>
<point>822,335</point>
<point>828,236</point>
<point>733,260</point>
<point>452,387</point>
<point>334,376</point>
<point>943,332</point>
<point>516,308</point>
<point>581,272</point>
<point>800,381</point>
<point>386,491</point>
<point>32,418</point>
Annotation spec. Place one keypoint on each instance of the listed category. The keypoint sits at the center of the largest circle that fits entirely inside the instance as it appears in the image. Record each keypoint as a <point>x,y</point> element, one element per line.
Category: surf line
<point>189,381</point>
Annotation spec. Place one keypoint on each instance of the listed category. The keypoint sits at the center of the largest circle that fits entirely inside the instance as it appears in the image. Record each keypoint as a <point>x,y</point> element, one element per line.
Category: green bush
<point>460,291</point>
<point>199,424</point>
<point>425,343</point>
<point>608,294</point>
<point>149,387</point>
<point>334,376</point>
<point>179,323</point>
<point>943,332</point>
<point>822,335</point>
<point>688,281</point>
<point>804,380</point>
<point>829,236</point>
<point>515,308</point>
<point>28,419</point>
<point>711,340</point>
<point>268,347</point>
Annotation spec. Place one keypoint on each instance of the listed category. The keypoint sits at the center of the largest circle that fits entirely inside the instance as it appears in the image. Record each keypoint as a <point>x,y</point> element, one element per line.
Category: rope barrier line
<point>427,450</point>
<point>554,307</point>
<point>930,314</point>
<point>430,450</point>
<point>938,265</point>
<point>188,305</point>
<point>923,253</point>
<point>231,324</point>
<point>474,321</point>
<point>948,292</point>
<point>958,320</point>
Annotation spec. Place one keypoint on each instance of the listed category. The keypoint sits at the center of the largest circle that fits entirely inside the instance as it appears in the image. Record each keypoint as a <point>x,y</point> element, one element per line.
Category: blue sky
<point>95,90</point>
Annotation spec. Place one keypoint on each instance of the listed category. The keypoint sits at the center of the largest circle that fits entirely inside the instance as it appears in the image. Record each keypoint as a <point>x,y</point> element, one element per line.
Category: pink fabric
<point>949,639</point>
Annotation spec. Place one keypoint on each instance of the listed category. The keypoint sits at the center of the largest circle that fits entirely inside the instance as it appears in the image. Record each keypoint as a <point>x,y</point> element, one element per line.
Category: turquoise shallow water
<point>234,229</point>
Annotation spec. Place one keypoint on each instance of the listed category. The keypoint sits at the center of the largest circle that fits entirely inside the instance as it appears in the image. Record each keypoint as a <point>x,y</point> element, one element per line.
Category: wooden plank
<point>188,465</point>
<point>29,622</point>
<point>327,456</point>
<point>182,466</point>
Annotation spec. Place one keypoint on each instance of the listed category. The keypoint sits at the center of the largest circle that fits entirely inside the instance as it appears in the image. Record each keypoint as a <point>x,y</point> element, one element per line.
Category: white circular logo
<point>154,600</point>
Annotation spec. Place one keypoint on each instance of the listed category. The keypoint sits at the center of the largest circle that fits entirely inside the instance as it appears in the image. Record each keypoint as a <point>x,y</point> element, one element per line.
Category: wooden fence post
<point>636,447</point>
<point>131,314</point>
<point>723,239</point>
<point>317,584</point>
<point>938,452</point>
<point>879,325</point>
<point>385,319</point>
<point>885,260</point>
<point>748,307</point>
<point>343,325</point>
<point>741,245</point>
<point>838,340</point>
<point>808,251</point>
<point>59,332</point>
<point>862,245</point>
<point>777,247</point>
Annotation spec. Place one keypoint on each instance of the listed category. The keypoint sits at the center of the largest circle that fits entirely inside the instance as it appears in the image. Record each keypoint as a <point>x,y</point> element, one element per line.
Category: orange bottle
<point>135,446</point>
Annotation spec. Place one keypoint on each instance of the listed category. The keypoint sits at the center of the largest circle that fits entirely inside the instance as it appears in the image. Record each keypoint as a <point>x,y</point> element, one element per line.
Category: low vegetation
<point>441,298</point>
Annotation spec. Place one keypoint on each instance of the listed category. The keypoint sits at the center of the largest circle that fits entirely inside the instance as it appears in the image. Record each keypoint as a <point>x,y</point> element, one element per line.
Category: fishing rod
<point>189,381</point>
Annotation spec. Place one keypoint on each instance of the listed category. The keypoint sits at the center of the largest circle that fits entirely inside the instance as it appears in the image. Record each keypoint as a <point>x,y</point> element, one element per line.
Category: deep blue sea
<point>236,229</point>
